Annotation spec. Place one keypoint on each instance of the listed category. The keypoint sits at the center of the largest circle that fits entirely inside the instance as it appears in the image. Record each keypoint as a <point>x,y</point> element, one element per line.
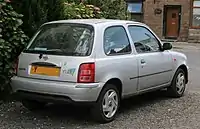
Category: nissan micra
<point>98,62</point>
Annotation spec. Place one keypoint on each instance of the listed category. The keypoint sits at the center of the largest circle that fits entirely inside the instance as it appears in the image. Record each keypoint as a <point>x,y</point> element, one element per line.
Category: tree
<point>37,12</point>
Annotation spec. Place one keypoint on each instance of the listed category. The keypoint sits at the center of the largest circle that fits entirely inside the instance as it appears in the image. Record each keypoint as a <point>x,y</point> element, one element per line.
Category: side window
<point>143,39</point>
<point>116,41</point>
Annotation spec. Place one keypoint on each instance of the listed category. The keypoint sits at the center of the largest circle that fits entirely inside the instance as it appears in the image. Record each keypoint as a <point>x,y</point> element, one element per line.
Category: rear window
<point>63,39</point>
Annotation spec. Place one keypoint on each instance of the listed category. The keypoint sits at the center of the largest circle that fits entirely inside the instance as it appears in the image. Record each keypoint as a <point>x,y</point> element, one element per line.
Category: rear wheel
<point>33,105</point>
<point>178,86</point>
<point>107,105</point>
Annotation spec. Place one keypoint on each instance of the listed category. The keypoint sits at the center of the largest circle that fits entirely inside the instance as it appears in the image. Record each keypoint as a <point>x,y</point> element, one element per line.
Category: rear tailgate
<point>56,52</point>
<point>50,67</point>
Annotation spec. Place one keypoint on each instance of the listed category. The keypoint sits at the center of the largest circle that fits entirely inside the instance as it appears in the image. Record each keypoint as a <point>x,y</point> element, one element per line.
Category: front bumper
<point>187,76</point>
<point>54,90</point>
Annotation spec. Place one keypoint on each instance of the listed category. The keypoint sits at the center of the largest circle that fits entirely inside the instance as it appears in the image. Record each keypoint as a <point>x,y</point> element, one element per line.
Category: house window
<point>136,10</point>
<point>196,14</point>
<point>135,7</point>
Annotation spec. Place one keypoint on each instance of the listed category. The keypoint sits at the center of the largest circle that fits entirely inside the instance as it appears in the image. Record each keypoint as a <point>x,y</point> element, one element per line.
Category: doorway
<point>171,21</point>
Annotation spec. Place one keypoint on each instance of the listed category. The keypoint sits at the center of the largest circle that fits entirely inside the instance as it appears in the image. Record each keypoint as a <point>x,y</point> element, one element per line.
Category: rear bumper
<point>57,91</point>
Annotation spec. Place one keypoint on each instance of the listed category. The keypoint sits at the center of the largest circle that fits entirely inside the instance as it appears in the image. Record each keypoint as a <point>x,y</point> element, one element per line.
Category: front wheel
<point>107,106</point>
<point>178,86</point>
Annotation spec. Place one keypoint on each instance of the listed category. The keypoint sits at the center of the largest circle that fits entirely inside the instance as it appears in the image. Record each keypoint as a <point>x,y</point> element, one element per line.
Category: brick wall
<point>194,36</point>
<point>155,21</point>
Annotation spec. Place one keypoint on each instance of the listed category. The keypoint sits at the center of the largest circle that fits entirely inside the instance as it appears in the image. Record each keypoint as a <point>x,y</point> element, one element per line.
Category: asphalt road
<point>192,51</point>
<point>149,111</point>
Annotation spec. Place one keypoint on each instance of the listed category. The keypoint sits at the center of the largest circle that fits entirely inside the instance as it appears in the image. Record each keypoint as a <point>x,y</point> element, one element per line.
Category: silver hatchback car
<point>96,61</point>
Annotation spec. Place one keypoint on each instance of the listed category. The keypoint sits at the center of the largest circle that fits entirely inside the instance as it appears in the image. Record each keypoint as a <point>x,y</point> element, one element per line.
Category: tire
<point>33,105</point>
<point>98,112</point>
<point>178,87</point>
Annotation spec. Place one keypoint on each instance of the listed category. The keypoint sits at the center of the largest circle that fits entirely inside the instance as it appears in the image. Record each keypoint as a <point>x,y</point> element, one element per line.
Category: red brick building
<point>170,19</point>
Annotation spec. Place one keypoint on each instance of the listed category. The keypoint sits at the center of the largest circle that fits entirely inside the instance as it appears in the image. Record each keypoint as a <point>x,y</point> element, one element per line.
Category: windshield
<point>63,39</point>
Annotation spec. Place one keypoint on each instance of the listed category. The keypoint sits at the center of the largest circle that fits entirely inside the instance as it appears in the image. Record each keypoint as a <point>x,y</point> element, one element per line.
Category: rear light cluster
<point>86,73</point>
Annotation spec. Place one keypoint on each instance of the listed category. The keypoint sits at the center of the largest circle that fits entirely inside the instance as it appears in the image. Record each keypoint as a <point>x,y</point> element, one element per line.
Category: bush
<point>12,41</point>
<point>80,11</point>
<point>112,9</point>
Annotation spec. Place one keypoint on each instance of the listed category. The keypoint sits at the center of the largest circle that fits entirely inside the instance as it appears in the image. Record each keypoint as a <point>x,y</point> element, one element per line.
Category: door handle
<point>143,61</point>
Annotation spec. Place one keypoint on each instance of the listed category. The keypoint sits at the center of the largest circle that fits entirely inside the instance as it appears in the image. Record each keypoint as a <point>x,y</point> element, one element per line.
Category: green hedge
<point>12,41</point>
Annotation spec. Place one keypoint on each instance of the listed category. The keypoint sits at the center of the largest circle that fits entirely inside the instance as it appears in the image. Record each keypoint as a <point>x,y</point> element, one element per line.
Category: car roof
<point>94,21</point>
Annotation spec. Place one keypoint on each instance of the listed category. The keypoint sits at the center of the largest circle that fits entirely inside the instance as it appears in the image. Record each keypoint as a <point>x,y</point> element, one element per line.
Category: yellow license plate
<point>47,71</point>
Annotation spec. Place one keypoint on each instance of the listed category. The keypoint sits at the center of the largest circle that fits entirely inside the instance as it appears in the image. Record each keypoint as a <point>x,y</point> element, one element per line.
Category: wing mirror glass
<point>167,46</point>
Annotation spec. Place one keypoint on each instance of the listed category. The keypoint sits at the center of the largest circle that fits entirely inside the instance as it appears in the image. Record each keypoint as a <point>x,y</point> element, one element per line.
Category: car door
<point>155,65</point>
<point>117,60</point>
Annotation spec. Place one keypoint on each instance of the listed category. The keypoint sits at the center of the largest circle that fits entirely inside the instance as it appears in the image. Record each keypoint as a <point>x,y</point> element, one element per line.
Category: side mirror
<point>167,46</point>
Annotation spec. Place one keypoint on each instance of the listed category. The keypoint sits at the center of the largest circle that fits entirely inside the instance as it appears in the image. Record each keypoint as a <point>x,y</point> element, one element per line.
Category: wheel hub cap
<point>110,103</point>
<point>180,83</point>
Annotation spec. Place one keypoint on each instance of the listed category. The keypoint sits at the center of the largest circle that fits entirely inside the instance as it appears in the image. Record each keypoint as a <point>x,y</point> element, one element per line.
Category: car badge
<point>45,58</point>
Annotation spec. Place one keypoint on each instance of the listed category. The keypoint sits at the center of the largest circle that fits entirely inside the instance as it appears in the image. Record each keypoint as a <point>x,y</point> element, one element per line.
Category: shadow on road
<point>82,114</point>
<point>140,101</point>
